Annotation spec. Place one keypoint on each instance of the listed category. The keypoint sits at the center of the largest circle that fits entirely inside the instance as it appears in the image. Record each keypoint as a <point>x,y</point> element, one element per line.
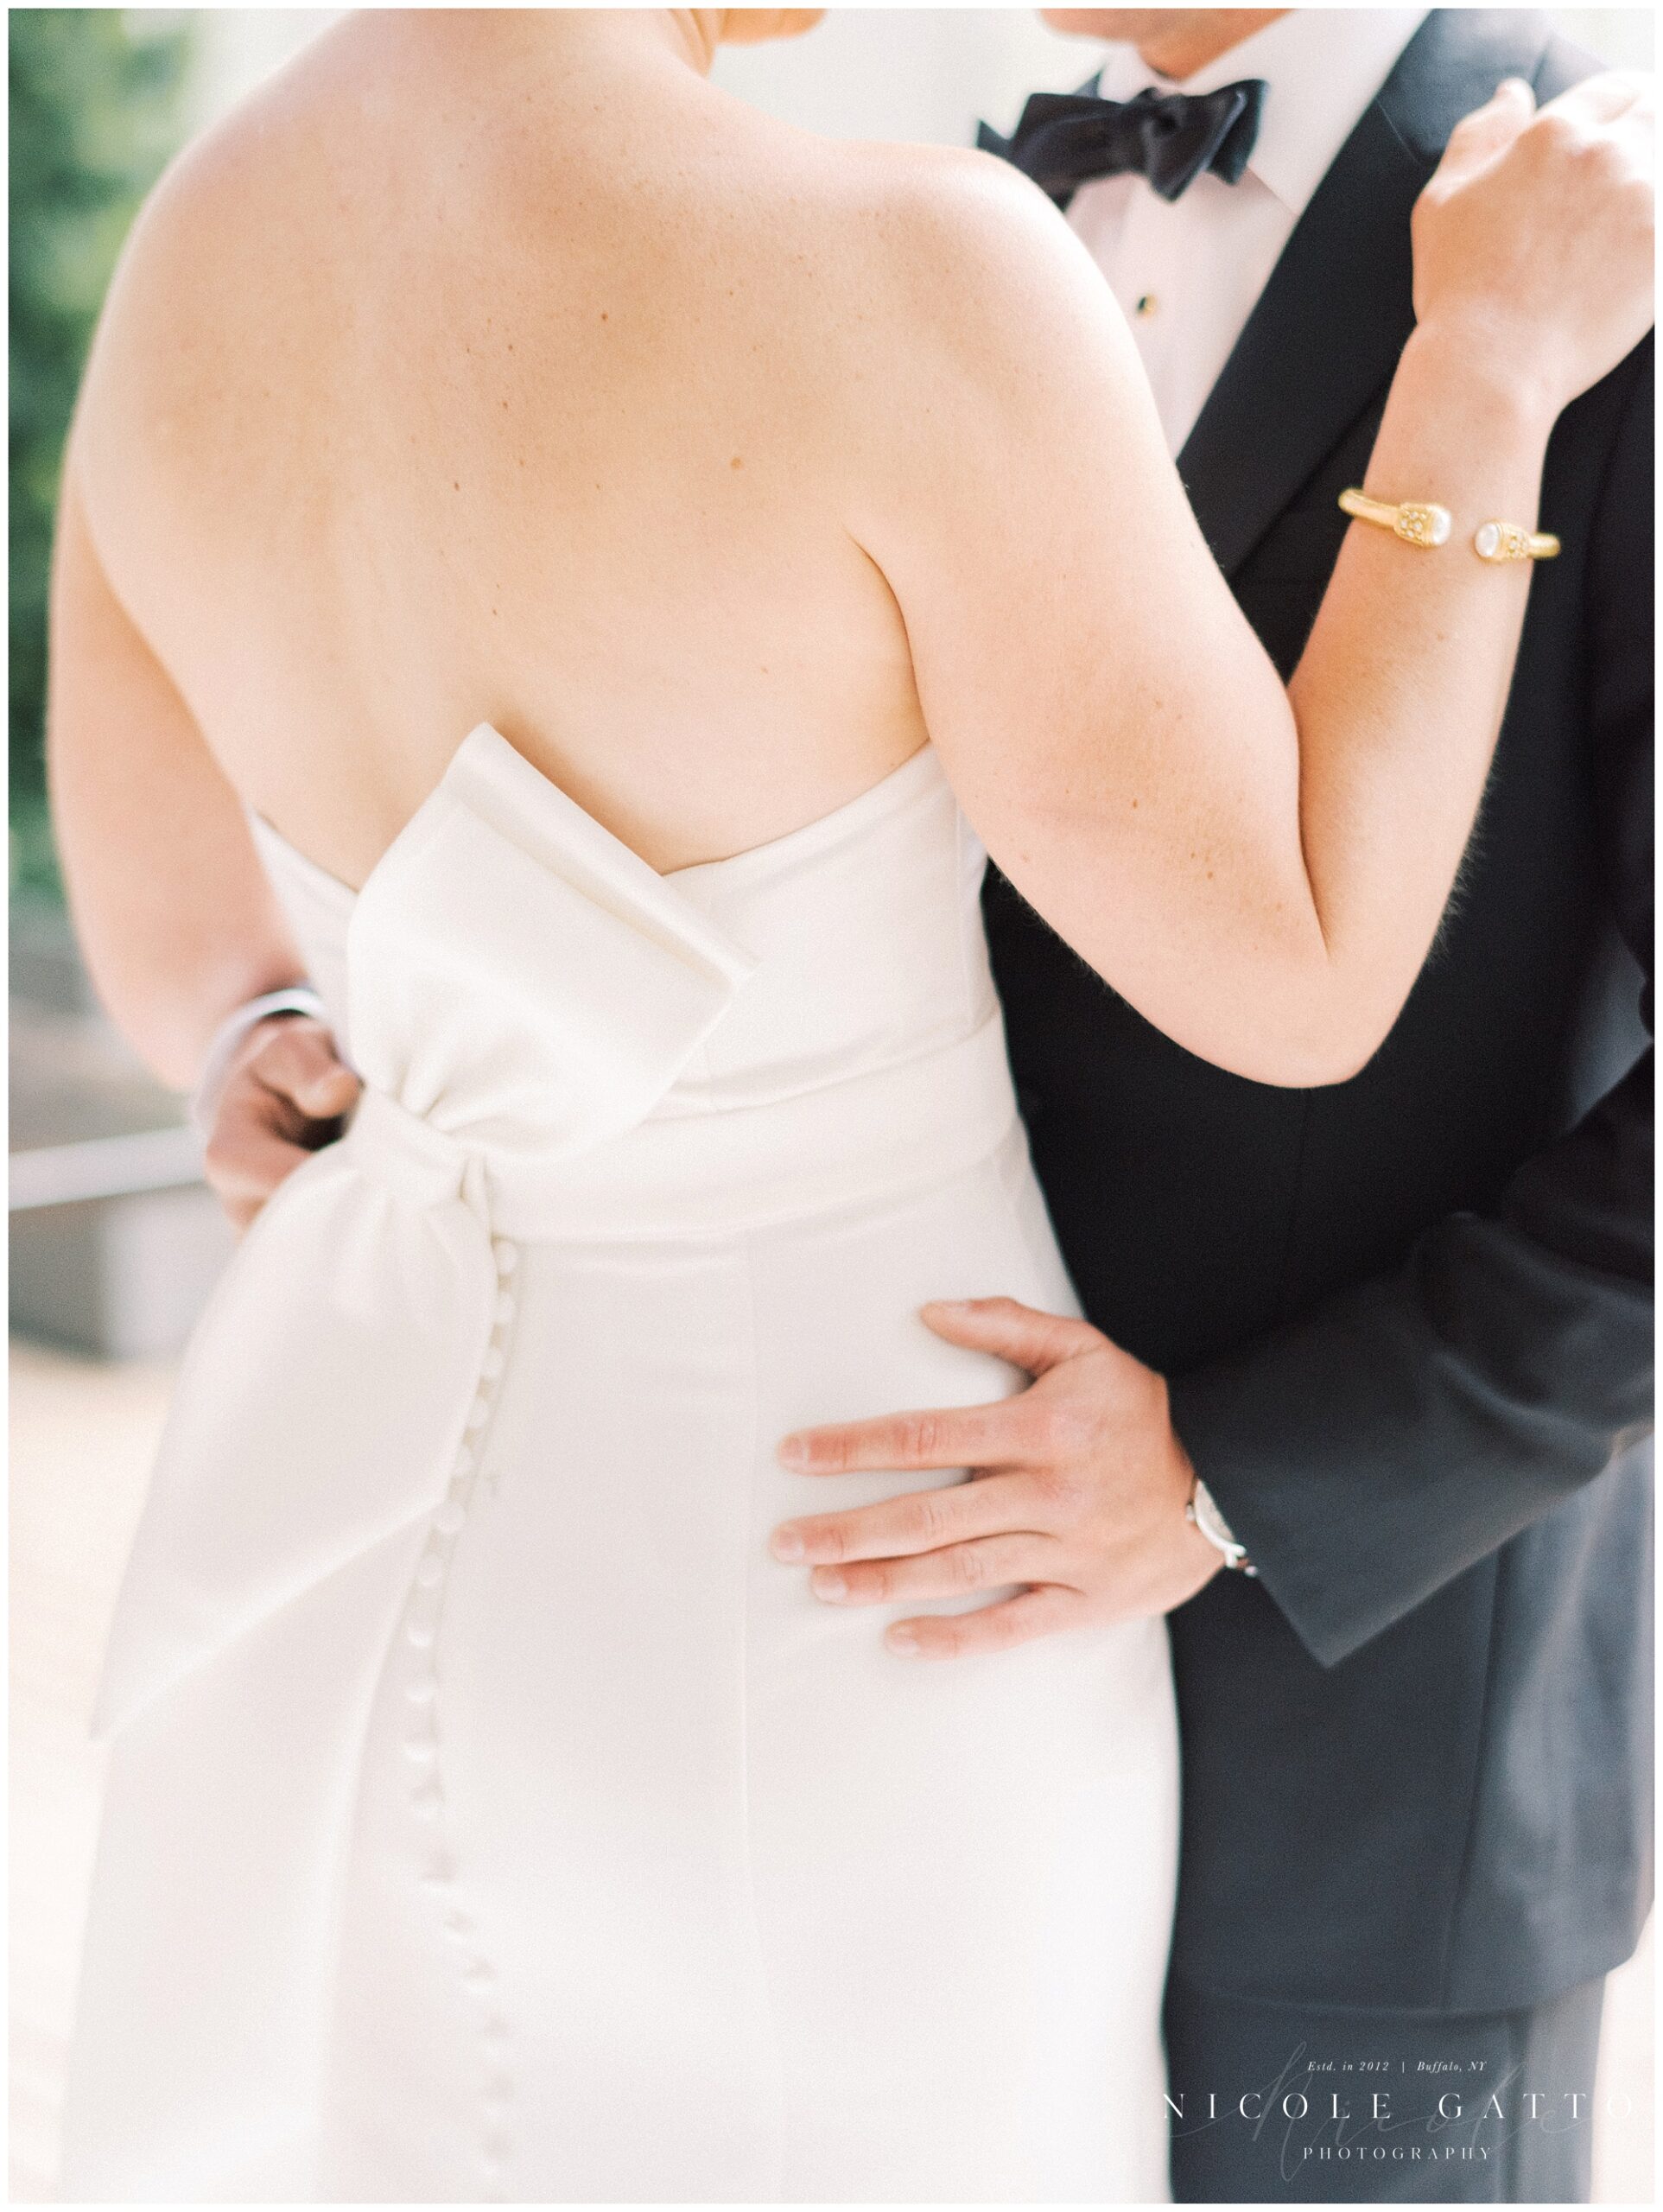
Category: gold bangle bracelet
<point>1422,523</point>
<point>1417,522</point>
<point>1507,541</point>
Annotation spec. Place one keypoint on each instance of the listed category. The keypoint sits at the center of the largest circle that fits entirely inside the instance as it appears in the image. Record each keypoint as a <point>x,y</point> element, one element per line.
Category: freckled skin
<point>463,443</point>
<point>525,185</point>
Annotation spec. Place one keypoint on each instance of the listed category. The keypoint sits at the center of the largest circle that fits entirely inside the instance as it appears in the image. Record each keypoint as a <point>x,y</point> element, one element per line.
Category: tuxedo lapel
<point>1328,328</point>
<point>1325,336</point>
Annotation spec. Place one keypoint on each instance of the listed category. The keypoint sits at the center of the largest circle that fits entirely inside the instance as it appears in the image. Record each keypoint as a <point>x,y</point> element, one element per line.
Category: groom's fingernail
<point>793,1451</point>
<point>827,1582</point>
<point>903,1642</point>
<point>786,1544</point>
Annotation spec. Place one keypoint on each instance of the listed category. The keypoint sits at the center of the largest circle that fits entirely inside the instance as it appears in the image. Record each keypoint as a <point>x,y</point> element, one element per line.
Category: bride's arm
<point>176,918</point>
<point>172,909</point>
<point>1260,871</point>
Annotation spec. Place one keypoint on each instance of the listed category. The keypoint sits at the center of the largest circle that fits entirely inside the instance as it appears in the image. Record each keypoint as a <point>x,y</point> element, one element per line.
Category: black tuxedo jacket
<point>1408,1319</point>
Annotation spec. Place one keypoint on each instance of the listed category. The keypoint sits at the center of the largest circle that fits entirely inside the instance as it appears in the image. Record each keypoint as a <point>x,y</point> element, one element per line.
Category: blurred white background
<point>865,73</point>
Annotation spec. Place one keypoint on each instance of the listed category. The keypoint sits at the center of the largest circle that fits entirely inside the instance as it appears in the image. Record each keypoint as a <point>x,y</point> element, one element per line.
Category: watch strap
<point>1202,1513</point>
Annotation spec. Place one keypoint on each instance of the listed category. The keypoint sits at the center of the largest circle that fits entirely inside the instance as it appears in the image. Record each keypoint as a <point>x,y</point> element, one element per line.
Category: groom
<point>1406,1321</point>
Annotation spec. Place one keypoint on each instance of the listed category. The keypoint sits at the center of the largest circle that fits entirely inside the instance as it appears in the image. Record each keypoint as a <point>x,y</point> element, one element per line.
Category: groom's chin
<point>1119,26</point>
<point>754,26</point>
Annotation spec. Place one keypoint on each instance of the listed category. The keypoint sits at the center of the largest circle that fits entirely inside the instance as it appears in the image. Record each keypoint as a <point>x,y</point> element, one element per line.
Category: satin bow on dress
<point>325,1403</point>
<point>490,1815</point>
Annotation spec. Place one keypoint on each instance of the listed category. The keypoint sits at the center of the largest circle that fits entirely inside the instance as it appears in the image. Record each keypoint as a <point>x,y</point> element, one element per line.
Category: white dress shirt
<point>1189,271</point>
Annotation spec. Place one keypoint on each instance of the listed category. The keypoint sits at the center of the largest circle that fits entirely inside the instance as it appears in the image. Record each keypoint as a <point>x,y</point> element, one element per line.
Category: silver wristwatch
<point>1203,1512</point>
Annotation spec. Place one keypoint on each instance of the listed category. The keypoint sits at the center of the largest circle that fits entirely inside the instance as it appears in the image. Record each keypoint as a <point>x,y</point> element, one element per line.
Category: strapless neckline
<point>800,843</point>
<point>506,929</point>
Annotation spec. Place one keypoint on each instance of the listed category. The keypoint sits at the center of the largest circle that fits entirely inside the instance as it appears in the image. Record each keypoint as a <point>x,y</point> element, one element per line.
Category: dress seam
<point>329,2010</point>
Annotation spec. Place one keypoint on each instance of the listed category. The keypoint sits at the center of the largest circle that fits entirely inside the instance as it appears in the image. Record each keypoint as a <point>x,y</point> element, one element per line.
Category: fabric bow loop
<point>407,1152</point>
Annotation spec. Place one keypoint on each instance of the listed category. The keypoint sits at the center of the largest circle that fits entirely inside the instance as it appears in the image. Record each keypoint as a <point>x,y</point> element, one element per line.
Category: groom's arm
<point>1380,1444</point>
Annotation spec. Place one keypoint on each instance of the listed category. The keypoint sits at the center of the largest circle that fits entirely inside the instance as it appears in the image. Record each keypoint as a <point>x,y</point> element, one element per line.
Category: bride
<point>490,1812</point>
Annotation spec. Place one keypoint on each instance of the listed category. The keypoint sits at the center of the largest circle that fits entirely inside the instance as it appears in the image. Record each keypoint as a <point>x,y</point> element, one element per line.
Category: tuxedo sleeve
<point>1390,1438</point>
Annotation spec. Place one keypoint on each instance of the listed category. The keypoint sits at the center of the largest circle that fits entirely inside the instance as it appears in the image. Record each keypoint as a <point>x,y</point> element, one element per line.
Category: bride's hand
<point>1533,240</point>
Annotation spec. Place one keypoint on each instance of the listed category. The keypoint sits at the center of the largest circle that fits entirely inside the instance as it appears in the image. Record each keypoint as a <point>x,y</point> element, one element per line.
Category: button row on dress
<point>421,1745</point>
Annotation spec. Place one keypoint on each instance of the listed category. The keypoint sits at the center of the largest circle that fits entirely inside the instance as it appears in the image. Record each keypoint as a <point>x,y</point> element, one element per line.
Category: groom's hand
<point>1079,1495</point>
<point>282,1099</point>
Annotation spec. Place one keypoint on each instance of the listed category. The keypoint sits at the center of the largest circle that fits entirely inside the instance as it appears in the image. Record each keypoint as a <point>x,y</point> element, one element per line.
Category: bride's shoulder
<point>948,185</point>
<point>962,255</point>
<point>210,315</point>
<point>229,173</point>
<point>939,208</point>
<point>971,333</point>
<point>228,212</point>
<point>173,292</point>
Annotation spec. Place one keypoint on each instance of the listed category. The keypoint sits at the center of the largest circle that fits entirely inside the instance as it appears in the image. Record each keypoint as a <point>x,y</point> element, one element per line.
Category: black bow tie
<point>1065,139</point>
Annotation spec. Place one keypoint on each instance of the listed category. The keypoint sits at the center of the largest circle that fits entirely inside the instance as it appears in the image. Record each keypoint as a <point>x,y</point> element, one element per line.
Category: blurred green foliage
<point>95,112</point>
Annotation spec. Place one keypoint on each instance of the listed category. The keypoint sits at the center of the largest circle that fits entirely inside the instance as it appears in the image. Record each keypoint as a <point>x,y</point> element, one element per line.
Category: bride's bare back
<point>492,365</point>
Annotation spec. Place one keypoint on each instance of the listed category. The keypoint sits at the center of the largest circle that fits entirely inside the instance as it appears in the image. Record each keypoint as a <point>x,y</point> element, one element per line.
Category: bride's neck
<point>689,35</point>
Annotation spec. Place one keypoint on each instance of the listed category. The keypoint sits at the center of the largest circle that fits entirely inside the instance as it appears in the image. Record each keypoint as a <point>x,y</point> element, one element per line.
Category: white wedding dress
<point>490,1816</point>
